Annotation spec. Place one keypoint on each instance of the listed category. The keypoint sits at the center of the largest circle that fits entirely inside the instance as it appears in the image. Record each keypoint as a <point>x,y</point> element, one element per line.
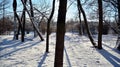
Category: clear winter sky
<point>71,12</point>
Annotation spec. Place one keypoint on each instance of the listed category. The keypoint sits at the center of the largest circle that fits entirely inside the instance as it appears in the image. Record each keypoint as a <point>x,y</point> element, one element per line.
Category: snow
<point>78,52</point>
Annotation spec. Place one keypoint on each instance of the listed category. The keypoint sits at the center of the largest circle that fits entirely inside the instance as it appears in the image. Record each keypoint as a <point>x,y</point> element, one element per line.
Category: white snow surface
<point>78,52</point>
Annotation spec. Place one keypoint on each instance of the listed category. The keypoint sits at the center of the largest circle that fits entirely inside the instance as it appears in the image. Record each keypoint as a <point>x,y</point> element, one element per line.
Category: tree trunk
<point>15,31</point>
<point>100,24</point>
<point>18,32</point>
<point>15,28</point>
<point>24,21</point>
<point>86,24</point>
<point>15,25</point>
<point>48,26</point>
<point>60,34</point>
<point>80,26</point>
<point>32,15</point>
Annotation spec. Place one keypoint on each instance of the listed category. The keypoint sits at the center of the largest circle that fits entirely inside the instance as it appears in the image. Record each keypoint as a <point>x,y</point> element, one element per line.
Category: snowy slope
<point>78,52</point>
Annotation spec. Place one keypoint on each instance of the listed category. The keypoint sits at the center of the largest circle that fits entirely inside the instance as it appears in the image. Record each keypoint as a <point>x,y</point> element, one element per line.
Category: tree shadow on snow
<point>115,61</point>
<point>114,49</point>
<point>18,49</point>
<point>67,57</point>
<point>6,42</point>
<point>42,59</point>
<point>10,44</point>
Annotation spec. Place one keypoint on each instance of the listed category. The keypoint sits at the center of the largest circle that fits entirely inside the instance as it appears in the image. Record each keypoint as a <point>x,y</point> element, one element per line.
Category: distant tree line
<point>6,27</point>
<point>73,26</point>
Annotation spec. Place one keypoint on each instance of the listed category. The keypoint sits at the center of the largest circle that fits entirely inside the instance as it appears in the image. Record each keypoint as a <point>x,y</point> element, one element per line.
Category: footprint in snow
<point>97,61</point>
<point>85,65</point>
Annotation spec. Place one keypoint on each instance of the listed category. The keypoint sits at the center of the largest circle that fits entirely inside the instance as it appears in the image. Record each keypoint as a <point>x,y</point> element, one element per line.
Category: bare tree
<point>32,14</point>
<point>31,19</point>
<point>22,25</point>
<point>16,15</point>
<point>100,24</point>
<point>60,33</point>
<point>24,21</point>
<point>15,26</point>
<point>80,26</point>
<point>86,24</point>
<point>48,26</point>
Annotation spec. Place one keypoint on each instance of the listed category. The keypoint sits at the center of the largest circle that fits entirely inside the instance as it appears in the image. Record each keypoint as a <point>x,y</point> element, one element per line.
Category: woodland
<point>92,23</point>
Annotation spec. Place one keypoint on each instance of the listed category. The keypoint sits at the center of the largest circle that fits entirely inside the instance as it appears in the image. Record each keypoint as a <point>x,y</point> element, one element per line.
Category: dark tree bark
<point>32,15</point>
<point>24,21</point>
<point>18,32</point>
<point>31,9</point>
<point>48,26</point>
<point>86,24</point>
<point>60,34</point>
<point>15,25</point>
<point>80,26</point>
<point>100,24</point>
<point>15,28</point>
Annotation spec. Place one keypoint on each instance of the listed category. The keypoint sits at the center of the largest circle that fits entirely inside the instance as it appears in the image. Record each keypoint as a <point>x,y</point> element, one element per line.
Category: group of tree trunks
<point>48,26</point>
<point>22,20</point>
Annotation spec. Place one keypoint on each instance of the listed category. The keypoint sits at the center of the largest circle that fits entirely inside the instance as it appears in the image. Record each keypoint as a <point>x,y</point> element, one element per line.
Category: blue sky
<point>70,13</point>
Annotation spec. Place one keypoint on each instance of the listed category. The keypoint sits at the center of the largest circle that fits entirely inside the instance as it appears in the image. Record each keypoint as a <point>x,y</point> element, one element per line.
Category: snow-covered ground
<point>78,52</point>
